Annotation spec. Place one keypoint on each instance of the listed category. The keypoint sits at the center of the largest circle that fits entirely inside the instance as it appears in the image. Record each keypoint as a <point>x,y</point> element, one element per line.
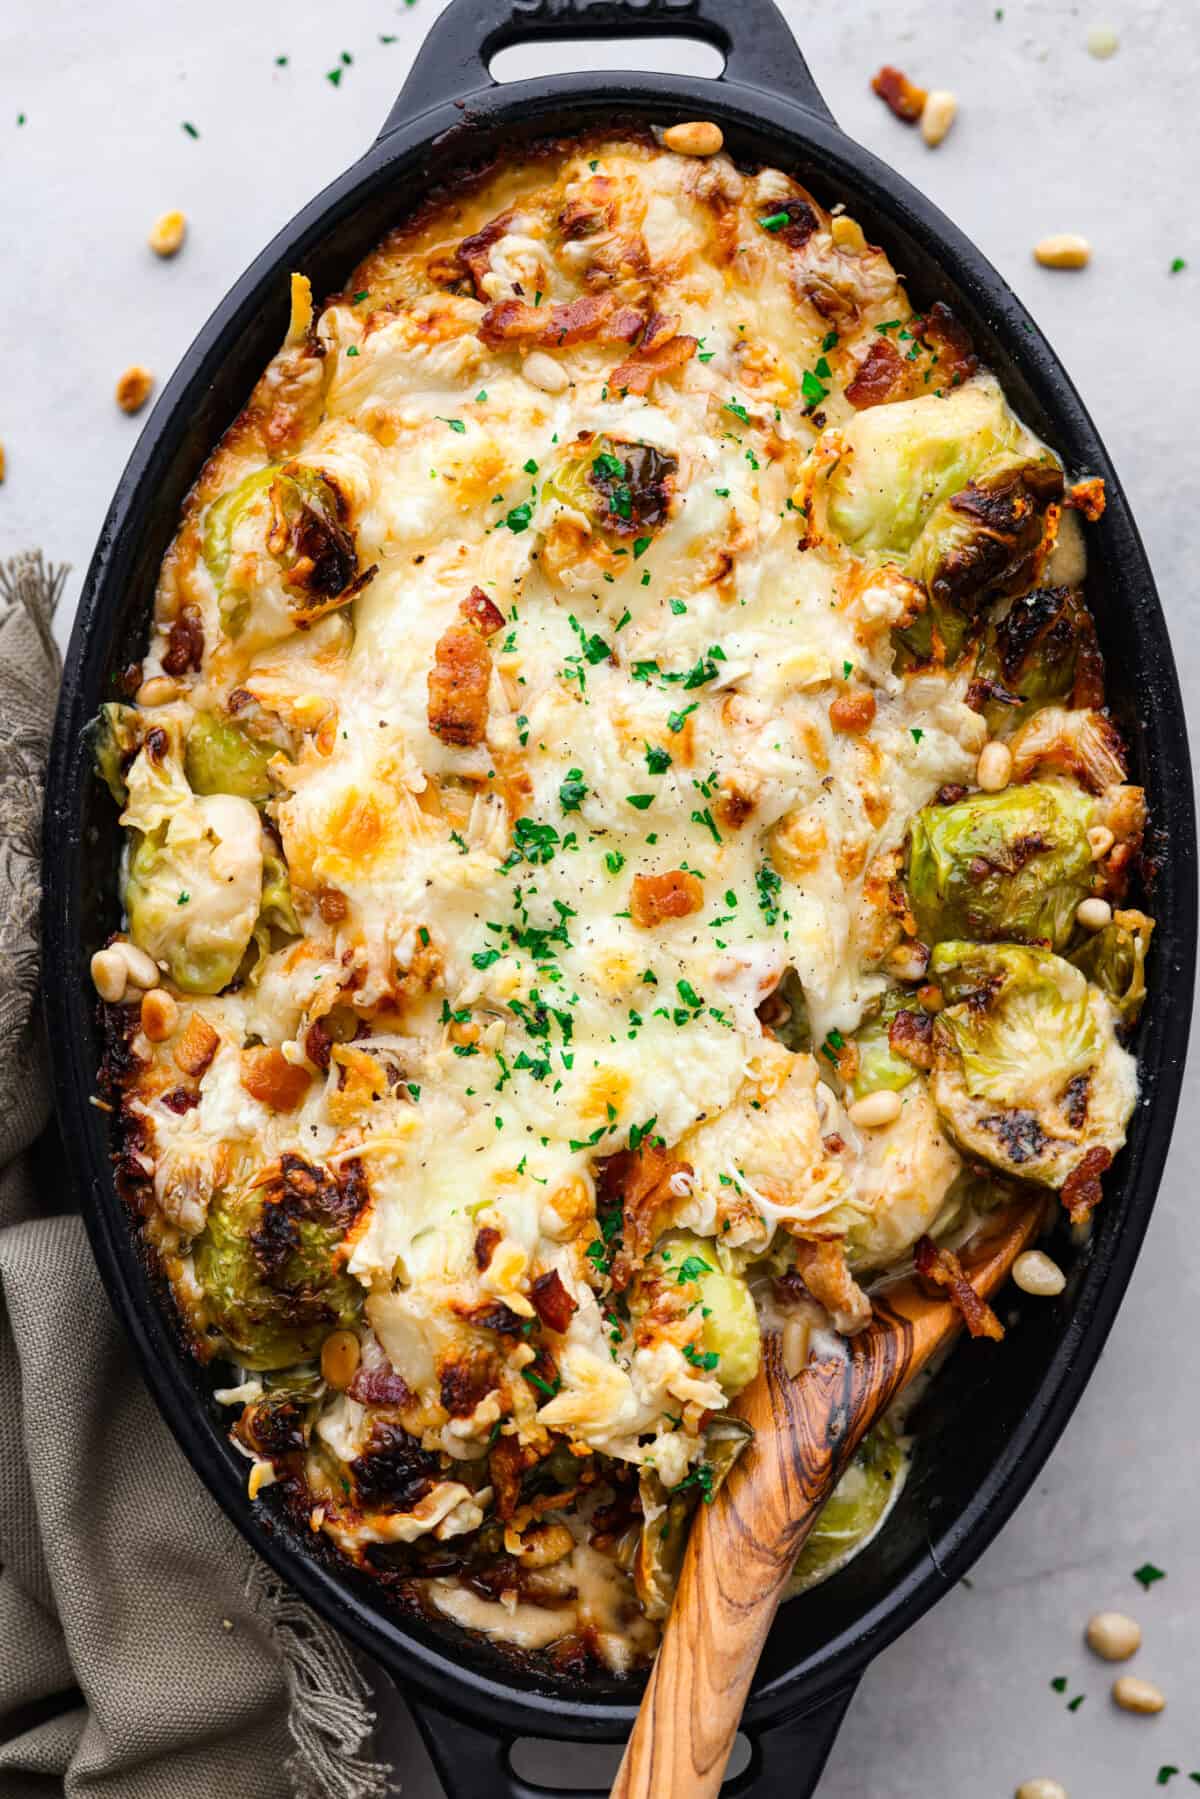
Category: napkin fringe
<point>328,1714</point>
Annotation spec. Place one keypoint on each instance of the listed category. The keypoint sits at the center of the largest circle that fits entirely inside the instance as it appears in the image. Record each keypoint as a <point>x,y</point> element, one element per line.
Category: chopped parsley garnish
<point>701,1476</point>
<point>191,129</point>
<point>454,424</point>
<point>594,648</point>
<point>484,958</point>
<point>363,294</point>
<point>1059,1683</point>
<point>834,1041</point>
<point>536,843</point>
<point>675,720</point>
<point>614,861</point>
<point>691,1268</point>
<point>916,733</point>
<point>1147,1574</point>
<point>1178,264</point>
<point>530,467</point>
<point>814,391</point>
<point>706,819</point>
<point>183,899</point>
<point>639,1132</point>
<point>735,406</point>
<point>352,350</point>
<point>640,546</point>
<point>658,761</point>
<point>706,1359</point>
<point>774,221</point>
<point>769,884</point>
<point>677,607</point>
<point>573,791</point>
<point>414,1090</point>
<point>639,801</point>
<point>543,1386</point>
<point>829,341</point>
<point>518,518</point>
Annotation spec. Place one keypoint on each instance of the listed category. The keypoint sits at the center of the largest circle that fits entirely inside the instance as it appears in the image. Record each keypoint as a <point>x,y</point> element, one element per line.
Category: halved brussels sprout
<point>668,1513</point>
<point>905,1184</point>
<point>854,1510</point>
<point>277,921</point>
<point>303,533</point>
<point>1114,959</point>
<point>270,1261</point>
<point>1011,865</point>
<point>192,889</point>
<point>878,1065</point>
<point>1042,649</point>
<point>982,541</point>
<point>624,488</point>
<point>1028,1073</point>
<point>730,1323</point>
<point>219,757</point>
<point>116,735</point>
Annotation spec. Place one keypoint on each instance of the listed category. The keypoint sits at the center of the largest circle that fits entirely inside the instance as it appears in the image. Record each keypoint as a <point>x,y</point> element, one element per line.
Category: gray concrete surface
<point>1048,139</point>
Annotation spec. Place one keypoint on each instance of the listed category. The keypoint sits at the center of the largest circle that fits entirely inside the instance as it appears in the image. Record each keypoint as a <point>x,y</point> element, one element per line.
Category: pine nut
<point>159,690</point>
<point>1093,914</point>
<point>141,969</point>
<point>2,462</point>
<point>134,388</point>
<point>1134,1695</point>
<point>1038,1274</point>
<point>160,1015</point>
<point>1064,250</point>
<point>696,137</point>
<point>1101,841</point>
<point>1102,42</point>
<point>908,962</point>
<point>793,1345</point>
<point>544,1545</point>
<point>109,975</point>
<point>340,1356</point>
<point>930,998</point>
<point>993,771</point>
<point>937,116</point>
<point>847,234</point>
<point>1113,1636</point>
<point>167,233</point>
<point>542,371</point>
<point>1041,1789</point>
<point>874,1109</point>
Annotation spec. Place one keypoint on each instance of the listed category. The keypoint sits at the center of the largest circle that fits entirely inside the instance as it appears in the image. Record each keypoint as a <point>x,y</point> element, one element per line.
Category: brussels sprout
<point>277,919</point>
<point>982,541</point>
<point>1028,1073</point>
<point>1114,960</point>
<point>220,757</point>
<point>1010,865</point>
<point>192,888</point>
<point>270,1264</point>
<point>624,488</point>
<point>878,1066</point>
<point>303,533</point>
<point>730,1325</point>
<point>116,734</point>
<point>669,1513</point>
<point>224,516</point>
<point>905,1184</point>
<point>854,1510</point>
<point>1042,649</point>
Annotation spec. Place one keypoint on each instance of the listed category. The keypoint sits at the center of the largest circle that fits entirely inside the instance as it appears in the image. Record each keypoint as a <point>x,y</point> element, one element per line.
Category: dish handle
<point>786,1760</point>
<point>752,35</point>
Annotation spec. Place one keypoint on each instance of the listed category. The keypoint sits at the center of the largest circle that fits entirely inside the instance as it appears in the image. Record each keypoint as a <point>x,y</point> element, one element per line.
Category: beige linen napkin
<point>145,1651</point>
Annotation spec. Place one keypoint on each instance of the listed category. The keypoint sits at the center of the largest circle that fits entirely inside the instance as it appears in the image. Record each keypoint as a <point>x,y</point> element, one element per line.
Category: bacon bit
<point>185,643</point>
<point>551,1301</point>
<point>1081,1191</point>
<point>660,329</point>
<point>584,217</point>
<point>950,793</point>
<point>486,1239</point>
<point>380,1387</point>
<point>480,611</point>
<point>733,806</point>
<point>180,1100</point>
<point>593,318</point>
<point>822,1267</point>
<point>910,1036</point>
<point>270,1078</point>
<point>332,904</point>
<point>466,1375</point>
<point>834,1143</point>
<point>507,1462</point>
<point>640,1179</point>
<point>318,1044</point>
<point>636,375</point>
<point>474,254</point>
<point>956,358</point>
<point>896,91</point>
<point>197,1045</point>
<point>458,686</point>
<point>1087,497</point>
<point>802,222</point>
<point>943,1268</point>
<point>653,898</point>
<point>880,377</point>
<point>853,712</point>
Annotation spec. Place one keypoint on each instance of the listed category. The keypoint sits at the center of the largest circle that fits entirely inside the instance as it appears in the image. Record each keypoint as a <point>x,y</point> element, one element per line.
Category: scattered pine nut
<point>1065,250</point>
<point>1038,1274</point>
<point>696,137</point>
<point>1113,1636</point>
<point>993,771</point>
<point>1101,840</point>
<point>937,115</point>
<point>1134,1695</point>
<point>1093,914</point>
<point>874,1109</point>
<point>167,233</point>
<point>341,1353</point>
<point>109,975</point>
<point>1102,42</point>
<point>141,970</point>
<point>1041,1789</point>
<point>160,1015</point>
<point>134,388</point>
<point>159,690</point>
<point>544,372</point>
<point>847,234</point>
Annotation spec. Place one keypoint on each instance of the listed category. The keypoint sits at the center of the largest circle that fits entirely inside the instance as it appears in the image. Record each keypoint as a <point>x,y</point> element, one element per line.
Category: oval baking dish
<point>992,1418</point>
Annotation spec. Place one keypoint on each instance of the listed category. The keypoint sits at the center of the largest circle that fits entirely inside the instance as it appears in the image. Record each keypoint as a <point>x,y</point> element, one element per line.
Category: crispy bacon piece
<point>1087,497</point>
<point>481,612</point>
<point>467,1375</point>
<point>593,318</point>
<point>507,1462</point>
<point>943,1268</point>
<point>1081,1191</point>
<point>458,686</point>
<point>185,643</point>
<point>640,1181</point>
<point>197,1045</point>
<point>380,1387</point>
<point>654,898</point>
<point>394,1472</point>
<point>822,1267</point>
<point>956,358</point>
<point>180,1100</point>
<point>637,374</point>
<point>486,1239</point>
<point>910,1036</point>
<point>585,215</point>
<point>904,98</point>
<point>551,1301</point>
<point>474,254</point>
<point>853,712</point>
<point>880,377</point>
<point>271,1079</point>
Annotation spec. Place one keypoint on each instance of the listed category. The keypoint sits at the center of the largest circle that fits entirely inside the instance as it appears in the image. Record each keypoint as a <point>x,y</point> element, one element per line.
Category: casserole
<point>325,241</point>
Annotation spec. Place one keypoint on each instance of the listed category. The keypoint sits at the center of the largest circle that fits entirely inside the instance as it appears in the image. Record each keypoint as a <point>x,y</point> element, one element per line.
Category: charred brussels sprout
<point>219,757</point>
<point>270,1262</point>
<point>1010,865</point>
<point>1114,960</point>
<point>1028,1074</point>
<point>624,488</point>
<point>855,1509</point>
<point>116,736</point>
<point>1041,650</point>
<point>299,522</point>
<point>878,1064</point>
<point>668,1513</point>
<point>730,1323</point>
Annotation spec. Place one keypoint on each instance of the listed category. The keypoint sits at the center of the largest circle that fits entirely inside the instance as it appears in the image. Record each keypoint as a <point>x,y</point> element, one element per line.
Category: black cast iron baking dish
<point>995,1413</point>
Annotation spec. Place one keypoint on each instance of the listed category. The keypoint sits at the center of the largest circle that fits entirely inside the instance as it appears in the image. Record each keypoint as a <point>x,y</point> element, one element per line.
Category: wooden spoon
<point>744,1545</point>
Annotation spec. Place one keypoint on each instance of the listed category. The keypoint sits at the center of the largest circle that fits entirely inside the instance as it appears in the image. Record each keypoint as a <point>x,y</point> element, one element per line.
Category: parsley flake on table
<point>190,128</point>
<point>1059,1683</point>
<point>1178,264</point>
<point>334,77</point>
<point>1073,1705</point>
<point>1147,1574</point>
<point>1164,1774</point>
